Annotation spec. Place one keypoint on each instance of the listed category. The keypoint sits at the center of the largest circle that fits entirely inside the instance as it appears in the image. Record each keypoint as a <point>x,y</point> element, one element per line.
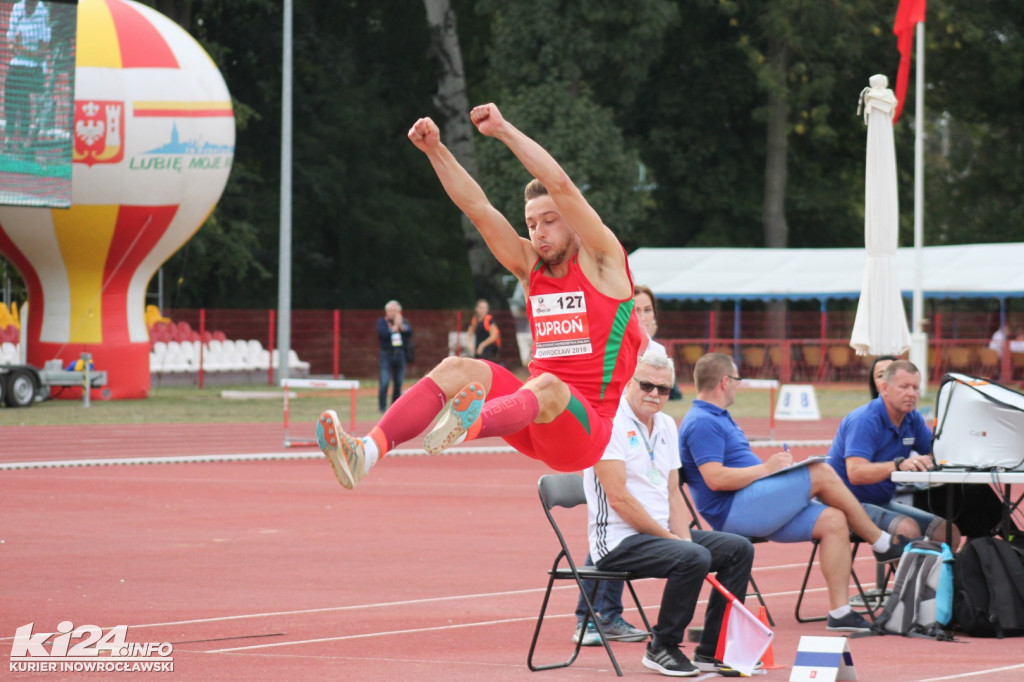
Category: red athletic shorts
<point>575,440</point>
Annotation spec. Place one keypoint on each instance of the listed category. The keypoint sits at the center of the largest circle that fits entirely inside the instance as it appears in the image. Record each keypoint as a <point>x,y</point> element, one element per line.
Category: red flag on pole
<point>908,15</point>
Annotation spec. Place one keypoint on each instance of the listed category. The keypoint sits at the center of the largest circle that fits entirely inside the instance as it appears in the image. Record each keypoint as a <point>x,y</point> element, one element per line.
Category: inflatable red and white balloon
<point>154,138</point>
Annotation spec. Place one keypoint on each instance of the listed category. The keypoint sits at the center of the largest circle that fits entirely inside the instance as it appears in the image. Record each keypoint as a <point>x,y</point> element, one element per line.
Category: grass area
<point>190,404</point>
<point>833,401</point>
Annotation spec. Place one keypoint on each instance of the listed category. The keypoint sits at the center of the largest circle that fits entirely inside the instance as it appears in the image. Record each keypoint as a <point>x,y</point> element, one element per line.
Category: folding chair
<point>695,523</point>
<point>871,604</point>
<point>566,491</point>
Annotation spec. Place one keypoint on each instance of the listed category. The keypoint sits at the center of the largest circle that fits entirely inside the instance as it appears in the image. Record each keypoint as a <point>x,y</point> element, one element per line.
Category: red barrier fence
<point>832,360</point>
<point>344,342</point>
<point>815,348</point>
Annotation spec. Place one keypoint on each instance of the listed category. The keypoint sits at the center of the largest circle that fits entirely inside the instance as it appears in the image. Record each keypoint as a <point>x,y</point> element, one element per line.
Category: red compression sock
<point>508,414</point>
<point>409,416</point>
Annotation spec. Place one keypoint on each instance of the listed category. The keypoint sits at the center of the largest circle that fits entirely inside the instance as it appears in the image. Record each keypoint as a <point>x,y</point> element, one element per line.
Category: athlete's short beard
<point>556,257</point>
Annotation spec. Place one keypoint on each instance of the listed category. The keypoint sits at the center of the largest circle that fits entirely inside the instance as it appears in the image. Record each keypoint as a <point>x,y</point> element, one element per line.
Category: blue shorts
<point>778,508</point>
<point>887,517</point>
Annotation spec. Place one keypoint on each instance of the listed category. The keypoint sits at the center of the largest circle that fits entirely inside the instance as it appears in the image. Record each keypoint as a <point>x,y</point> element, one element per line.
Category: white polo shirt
<point>649,458</point>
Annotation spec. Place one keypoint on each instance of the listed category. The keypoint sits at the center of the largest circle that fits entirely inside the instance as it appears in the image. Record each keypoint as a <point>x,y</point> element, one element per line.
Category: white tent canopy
<point>970,270</point>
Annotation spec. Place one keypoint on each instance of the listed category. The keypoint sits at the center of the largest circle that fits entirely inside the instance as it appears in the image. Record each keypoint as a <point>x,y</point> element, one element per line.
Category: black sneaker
<point>851,622</point>
<point>669,660</point>
<point>895,550</point>
<point>710,664</point>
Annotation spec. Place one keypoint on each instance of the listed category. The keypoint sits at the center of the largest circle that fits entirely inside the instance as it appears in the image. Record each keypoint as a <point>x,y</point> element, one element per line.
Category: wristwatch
<point>898,461</point>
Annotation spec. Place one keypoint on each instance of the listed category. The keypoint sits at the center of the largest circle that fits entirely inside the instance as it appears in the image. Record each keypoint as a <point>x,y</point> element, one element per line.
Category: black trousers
<point>684,565</point>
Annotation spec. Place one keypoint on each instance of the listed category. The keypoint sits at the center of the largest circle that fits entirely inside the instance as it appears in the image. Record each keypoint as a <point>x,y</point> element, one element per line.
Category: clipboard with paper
<point>802,463</point>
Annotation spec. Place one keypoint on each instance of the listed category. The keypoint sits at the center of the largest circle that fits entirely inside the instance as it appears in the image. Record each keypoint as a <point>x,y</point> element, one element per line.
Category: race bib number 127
<point>560,325</point>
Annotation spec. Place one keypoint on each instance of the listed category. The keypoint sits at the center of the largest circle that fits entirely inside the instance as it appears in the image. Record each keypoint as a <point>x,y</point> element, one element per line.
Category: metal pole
<point>202,345</point>
<point>919,339</point>
<point>284,285</point>
<point>737,354</point>
<point>86,379</point>
<point>337,341</point>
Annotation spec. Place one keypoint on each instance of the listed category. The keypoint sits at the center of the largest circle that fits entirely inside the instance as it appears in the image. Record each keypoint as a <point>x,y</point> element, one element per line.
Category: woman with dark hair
<point>646,313</point>
<point>877,372</point>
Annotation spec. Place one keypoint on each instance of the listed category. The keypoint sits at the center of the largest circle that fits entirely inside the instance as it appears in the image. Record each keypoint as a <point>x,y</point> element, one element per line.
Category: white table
<point>1000,480</point>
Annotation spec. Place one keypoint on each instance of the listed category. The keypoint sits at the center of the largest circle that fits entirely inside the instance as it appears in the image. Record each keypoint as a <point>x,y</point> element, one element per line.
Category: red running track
<point>267,570</point>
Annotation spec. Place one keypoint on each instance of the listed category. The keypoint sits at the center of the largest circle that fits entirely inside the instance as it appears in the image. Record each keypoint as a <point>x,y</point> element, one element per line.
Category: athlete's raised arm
<point>515,253</point>
<point>598,244</point>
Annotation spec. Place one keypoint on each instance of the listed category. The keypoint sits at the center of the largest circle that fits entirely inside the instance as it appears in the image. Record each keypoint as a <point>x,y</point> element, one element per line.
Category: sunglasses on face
<point>647,387</point>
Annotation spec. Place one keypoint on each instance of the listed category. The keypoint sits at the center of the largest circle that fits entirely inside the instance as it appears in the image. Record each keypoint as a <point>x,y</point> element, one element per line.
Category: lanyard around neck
<point>650,450</point>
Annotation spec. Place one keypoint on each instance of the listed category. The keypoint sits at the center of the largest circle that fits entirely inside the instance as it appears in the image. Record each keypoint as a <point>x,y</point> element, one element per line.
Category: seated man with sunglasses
<point>735,491</point>
<point>637,521</point>
<point>607,594</point>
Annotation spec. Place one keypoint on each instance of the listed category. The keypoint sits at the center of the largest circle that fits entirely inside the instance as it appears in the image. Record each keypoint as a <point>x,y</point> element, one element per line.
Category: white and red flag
<point>743,638</point>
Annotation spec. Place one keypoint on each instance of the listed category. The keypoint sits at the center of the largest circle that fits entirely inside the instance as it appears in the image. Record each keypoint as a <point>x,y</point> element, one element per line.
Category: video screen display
<point>37,93</point>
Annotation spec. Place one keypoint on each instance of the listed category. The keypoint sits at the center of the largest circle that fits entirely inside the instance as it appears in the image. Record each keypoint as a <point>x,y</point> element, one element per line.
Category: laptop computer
<point>979,425</point>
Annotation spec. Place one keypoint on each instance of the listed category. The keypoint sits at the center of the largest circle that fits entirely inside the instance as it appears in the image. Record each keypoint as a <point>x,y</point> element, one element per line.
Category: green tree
<point>369,220</point>
<point>561,72</point>
<point>974,164</point>
<point>452,102</point>
<point>228,262</point>
<point>764,147</point>
<point>674,117</point>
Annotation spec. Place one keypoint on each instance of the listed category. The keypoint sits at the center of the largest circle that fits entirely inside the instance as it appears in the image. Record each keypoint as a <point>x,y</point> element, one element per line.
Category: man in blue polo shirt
<point>886,435</point>
<point>737,492</point>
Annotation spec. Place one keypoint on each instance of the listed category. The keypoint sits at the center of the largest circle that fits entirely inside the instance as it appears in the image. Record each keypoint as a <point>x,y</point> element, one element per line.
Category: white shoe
<point>462,411</point>
<point>346,454</point>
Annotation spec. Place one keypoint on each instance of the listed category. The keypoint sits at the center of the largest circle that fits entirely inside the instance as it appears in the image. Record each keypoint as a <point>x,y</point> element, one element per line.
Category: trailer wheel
<point>21,388</point>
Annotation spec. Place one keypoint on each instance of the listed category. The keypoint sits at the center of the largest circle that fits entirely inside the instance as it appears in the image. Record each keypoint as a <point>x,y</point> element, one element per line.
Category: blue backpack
<point>921,603</point>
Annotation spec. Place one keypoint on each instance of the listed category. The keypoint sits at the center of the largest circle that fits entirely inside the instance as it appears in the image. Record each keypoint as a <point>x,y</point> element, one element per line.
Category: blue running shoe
<point>590,637</point>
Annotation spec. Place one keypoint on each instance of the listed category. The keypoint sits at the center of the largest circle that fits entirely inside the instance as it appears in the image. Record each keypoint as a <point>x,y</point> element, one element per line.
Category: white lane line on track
<point>250,457</point>
<point>439,628</point>
<point>267,456</point>
<point>334,609</point>
<point>975,673</point>
<point>530,619</point>
<point>391,604</point>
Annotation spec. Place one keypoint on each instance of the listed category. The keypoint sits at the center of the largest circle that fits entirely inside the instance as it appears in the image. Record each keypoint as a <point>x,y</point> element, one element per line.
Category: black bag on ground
<point>988,599</point>
<point>921,603</point>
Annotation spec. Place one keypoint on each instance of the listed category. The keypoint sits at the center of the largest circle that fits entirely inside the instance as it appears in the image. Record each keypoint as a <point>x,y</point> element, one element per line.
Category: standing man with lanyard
<point>394,336</point>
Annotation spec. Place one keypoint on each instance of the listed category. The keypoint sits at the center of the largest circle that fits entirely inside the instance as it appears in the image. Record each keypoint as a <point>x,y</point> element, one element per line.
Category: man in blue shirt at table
<point>887,435</point>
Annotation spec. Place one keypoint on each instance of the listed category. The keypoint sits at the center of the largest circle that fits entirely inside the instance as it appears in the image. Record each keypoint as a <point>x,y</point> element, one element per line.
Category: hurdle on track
<point>772,385</point>
<point>337,384</point>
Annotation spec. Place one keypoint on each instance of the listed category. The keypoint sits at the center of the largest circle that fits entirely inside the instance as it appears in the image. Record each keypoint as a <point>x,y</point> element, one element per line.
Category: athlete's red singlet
<point>583,337</point>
